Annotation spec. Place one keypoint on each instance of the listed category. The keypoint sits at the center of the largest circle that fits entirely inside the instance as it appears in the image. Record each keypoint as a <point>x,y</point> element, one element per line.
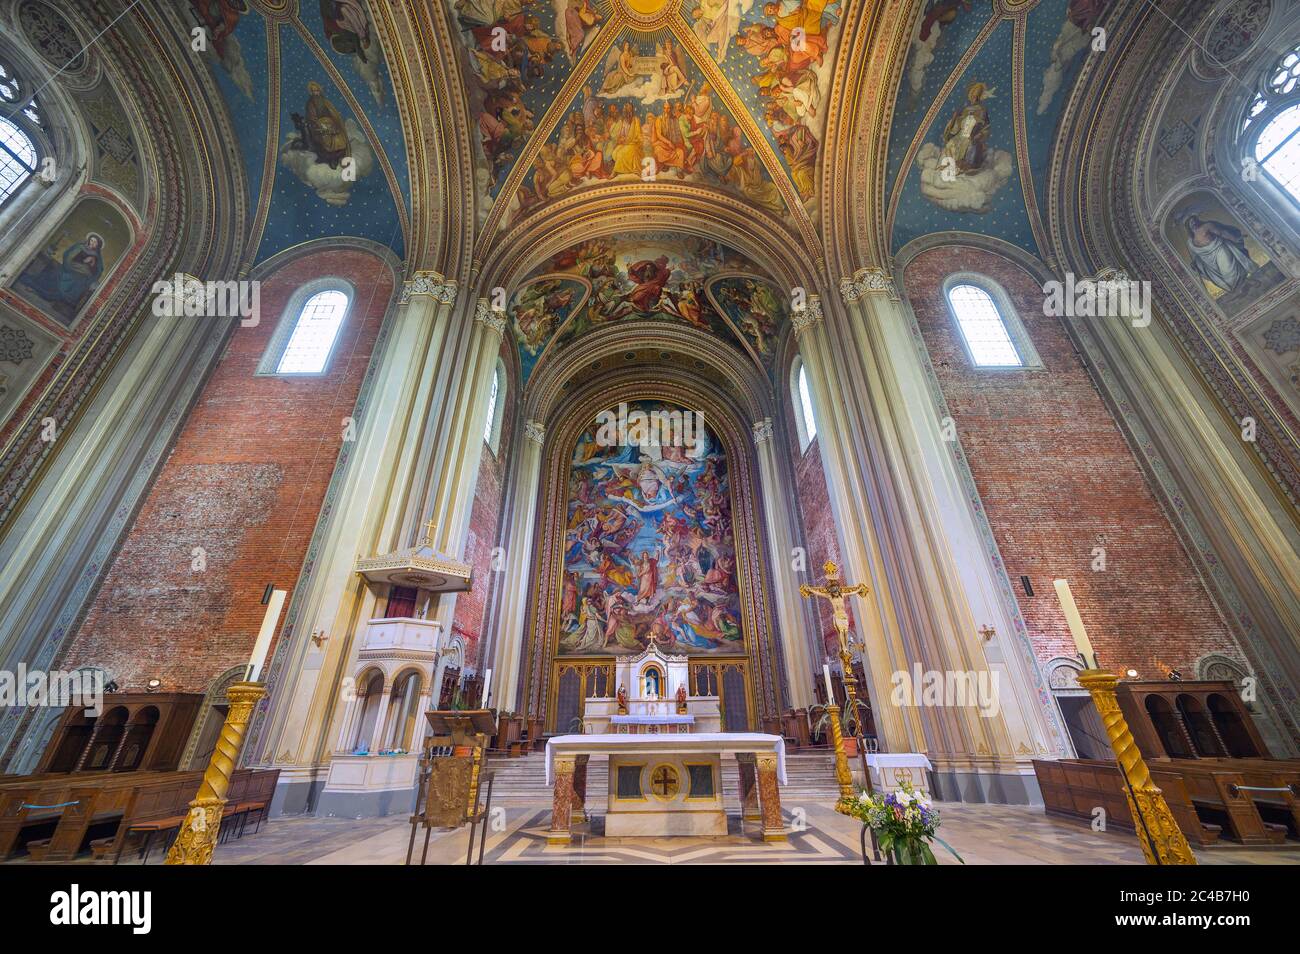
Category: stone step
<point>810,774</point>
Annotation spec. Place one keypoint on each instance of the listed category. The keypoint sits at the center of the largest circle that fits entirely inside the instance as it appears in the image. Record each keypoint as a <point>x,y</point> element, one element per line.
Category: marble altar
<point>653,694</point>
<point>665,785</point>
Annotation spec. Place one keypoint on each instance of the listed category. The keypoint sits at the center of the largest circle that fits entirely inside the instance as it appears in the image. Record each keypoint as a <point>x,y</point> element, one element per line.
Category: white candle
<point>487,685</point>
<point>1081,641</point>
<point>830,687</point>
<point>263,644</point>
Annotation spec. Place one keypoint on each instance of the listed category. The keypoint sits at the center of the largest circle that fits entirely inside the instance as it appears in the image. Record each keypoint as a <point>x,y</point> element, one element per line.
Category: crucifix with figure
<point>836,591</point>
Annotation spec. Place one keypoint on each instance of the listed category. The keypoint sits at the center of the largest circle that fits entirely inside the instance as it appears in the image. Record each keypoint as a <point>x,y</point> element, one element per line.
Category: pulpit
<point>653,697</point>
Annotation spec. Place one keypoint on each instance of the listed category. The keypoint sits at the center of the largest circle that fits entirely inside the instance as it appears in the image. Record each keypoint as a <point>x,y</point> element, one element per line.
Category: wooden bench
<point>1219,787</point>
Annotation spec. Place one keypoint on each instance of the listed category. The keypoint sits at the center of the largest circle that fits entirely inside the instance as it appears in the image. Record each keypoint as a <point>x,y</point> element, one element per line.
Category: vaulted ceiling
<point>571,95</point>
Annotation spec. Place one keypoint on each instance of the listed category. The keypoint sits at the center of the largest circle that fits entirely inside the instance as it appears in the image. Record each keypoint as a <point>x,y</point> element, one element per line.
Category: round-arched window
<point>1271,127</point>
<point>18,158</point>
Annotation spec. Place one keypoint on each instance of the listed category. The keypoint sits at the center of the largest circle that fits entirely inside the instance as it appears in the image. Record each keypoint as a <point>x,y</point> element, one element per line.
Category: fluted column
<point>785,586</point>
<point>512,616</point>
<point>899,729</point>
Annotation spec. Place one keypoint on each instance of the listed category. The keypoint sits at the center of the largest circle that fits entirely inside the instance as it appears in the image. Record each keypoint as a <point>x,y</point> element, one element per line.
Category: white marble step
<point>810,774</point>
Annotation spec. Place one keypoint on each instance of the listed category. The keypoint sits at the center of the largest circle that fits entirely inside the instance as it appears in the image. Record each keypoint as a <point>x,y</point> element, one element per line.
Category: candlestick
<point>263,644</point>
<point>487,684</point>
<point>830,687</point>
<point>1081,641</point>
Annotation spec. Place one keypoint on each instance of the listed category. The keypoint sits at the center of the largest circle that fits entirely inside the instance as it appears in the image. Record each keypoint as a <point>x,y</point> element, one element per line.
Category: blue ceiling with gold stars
<point>312,106</point>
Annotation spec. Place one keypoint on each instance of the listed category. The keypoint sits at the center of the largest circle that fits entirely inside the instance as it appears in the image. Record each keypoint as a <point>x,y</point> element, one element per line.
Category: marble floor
<point>981,834</point>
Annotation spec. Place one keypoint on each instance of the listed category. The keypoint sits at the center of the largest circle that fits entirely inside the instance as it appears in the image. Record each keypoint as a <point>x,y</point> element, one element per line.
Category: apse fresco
<point>1233,268</point>
<point>73,264</point>
<point>648,114</point>
<point>649,554</point>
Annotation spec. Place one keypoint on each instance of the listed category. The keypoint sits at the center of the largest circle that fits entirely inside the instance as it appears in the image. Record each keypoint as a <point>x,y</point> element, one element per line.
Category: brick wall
<point>244,482</point>
<point>1057,479</point>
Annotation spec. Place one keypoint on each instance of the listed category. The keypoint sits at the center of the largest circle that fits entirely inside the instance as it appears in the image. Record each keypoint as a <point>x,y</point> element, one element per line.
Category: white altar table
<point>667,784</point>
<point>888,769</point>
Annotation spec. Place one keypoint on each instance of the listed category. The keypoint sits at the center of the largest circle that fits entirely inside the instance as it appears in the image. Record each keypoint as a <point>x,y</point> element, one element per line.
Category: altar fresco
<point>649,552</point>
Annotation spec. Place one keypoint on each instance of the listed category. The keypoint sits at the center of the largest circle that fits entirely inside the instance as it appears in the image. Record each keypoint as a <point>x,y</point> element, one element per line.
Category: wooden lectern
<point>450,783</point>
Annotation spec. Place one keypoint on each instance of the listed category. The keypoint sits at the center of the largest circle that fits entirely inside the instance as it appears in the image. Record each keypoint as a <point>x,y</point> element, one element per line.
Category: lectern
<point>450,783</point>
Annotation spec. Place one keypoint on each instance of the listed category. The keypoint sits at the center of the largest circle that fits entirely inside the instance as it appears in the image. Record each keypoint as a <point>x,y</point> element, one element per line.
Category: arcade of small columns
<point>905,528</point>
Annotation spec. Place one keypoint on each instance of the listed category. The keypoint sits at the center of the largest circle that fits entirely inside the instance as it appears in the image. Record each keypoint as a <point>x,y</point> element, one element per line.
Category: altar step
<point>811,776</point>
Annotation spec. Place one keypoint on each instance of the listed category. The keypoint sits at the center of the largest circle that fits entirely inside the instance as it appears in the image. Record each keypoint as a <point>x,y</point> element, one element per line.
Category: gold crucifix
<point>835,591</point>
<point>430,528</point>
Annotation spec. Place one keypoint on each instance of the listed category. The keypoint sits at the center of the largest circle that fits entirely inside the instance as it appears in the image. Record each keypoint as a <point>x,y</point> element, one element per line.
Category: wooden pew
<point>1217,789</point>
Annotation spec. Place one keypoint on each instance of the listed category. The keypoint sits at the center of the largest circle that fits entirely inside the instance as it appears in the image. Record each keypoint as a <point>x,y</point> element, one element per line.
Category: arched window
<point>987,322</point>
<point>496,407</point>
<point>19,154</point>
<point>304,341</point>
<point>801,398</point>
<point>309,347</point>
<point>1271,126</point>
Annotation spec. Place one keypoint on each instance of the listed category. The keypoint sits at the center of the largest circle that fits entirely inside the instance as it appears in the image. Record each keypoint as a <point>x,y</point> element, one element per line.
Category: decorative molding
<point>489,316</point>
<point>535,432</point>
<point>807,318</point>
<point>429,283</point>
<point>762,431</point>
<point>867,281</point>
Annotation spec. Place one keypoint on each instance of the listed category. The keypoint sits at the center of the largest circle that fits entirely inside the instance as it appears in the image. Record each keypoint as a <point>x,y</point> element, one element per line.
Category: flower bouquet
<point>905,822</point>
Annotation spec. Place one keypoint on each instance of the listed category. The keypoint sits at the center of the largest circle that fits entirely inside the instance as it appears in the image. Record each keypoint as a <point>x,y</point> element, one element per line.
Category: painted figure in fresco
<point>346,26</point>
<point>71,282</point>
<point>965,138</point>
<point>650,278</point>
<point>1218,252</point>
<point>942,13</point>
<point>219,18</point>
<point>320,128</point>
<point>622,72</point>
<point>579,17</point>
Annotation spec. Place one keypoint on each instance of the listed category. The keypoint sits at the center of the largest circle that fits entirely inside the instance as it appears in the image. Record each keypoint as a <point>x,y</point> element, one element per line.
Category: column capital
<point>495,320</point>
<point>867,281</point>
<point>762,431</point>
<point>807,318</point>
<point>535,432</point>
<point>430,284</point>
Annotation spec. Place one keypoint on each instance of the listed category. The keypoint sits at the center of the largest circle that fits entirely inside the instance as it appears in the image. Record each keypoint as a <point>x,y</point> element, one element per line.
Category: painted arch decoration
<point>653,277</point>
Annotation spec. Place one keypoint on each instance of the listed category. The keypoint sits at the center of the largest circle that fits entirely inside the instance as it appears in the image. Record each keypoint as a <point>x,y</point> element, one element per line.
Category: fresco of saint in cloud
<point>649,555</point>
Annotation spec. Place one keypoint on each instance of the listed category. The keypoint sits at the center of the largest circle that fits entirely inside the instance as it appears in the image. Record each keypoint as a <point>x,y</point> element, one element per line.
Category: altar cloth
<point>880,762</point>
<point>652,719</point>
<point>714,743</point>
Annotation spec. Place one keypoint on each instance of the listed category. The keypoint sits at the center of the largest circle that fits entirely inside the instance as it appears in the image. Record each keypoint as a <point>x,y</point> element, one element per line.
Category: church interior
<point>649,431</point>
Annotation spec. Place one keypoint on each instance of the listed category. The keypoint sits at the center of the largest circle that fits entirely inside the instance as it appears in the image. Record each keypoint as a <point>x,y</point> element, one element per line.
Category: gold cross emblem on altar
<point>430,528</point>
<point>663,781</point>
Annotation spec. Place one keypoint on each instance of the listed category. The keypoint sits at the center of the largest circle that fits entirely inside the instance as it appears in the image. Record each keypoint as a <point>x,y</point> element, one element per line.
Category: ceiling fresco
<point>318,130</point>
<point>970,143</point>
<point>574,94</point>
<point>651,277</point>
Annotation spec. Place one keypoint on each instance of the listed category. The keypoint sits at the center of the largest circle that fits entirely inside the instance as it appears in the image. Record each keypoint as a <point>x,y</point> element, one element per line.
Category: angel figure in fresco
<point>219,18</point>
<point>1218,252</point>
<point>620,70</point>
<point>672,77</point>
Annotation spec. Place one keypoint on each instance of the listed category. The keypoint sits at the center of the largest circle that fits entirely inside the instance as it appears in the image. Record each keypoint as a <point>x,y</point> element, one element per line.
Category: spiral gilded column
<point>198,834</point>
<point>1162,840</point>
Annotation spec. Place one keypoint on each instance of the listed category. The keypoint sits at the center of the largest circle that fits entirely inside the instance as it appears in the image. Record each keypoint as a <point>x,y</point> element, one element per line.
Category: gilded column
<point>512,617</point>
<point>562,806</point>
<point>769,797</point>
<point>785,586</point>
